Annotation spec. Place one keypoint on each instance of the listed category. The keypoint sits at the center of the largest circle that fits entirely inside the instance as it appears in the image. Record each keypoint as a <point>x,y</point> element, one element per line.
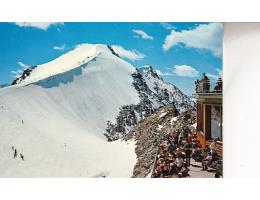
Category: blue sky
<point>180,52</point>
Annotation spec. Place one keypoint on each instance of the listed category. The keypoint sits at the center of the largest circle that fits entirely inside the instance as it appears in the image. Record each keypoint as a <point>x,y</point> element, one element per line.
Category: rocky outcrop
<point>25,74</point>
<point>112,51</point>
<point>149,131</point>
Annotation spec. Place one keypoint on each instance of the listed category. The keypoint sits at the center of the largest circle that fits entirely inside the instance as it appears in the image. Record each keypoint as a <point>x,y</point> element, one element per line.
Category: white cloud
<point>215,76</point>
<point>17,73</point>
<point>163,73</point>
<point>39,25</point>
<point>167,25</point>
<point>212,76</point>
<point>130,54</point>
<point>158,72</point>
<point>60,48</point>
<point>204,36</point>
<point>22,65</point>
<point>142,34</point>
<point>220,72</point>
<point>185,70</point>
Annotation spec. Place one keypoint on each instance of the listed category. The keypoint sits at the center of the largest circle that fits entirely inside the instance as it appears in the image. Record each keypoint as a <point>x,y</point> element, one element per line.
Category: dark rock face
<point>112,51</point>
<point>154,93</point>
<point>24,75</point>
<point>125,121</point>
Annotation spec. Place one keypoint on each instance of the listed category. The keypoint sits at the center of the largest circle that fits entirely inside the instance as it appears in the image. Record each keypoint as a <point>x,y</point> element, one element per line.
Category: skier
<point>22,157</point>
<point>22,121</point>
<point>12,148</point>
<point>15,153</point>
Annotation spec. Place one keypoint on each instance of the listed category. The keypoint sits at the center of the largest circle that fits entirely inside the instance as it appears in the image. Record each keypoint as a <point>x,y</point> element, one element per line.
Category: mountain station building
<point>209,111</point>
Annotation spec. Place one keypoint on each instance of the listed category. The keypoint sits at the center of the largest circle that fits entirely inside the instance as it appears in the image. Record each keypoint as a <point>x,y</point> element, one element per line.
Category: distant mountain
<point>56,114</point>
<point>164,93</point>
<point>154,93</point>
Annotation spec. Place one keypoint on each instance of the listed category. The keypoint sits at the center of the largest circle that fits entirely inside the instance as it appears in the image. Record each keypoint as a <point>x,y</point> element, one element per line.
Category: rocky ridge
<point>25,74</point>
<point>150,130</point>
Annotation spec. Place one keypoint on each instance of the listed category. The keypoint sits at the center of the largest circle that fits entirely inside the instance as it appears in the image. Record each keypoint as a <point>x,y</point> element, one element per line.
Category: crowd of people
<point>175,152</point>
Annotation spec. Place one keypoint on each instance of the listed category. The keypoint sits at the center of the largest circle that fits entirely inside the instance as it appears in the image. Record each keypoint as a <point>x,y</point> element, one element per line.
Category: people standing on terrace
<point>206,83</point>
<point>203,85</point>
<point>218,87</point>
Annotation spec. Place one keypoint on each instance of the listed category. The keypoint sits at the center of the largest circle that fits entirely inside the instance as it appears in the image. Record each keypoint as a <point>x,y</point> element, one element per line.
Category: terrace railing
<point>204,86</point>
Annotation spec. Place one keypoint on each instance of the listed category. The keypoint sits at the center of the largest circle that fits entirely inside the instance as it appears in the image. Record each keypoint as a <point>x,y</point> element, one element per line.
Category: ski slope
<point>56,117</point>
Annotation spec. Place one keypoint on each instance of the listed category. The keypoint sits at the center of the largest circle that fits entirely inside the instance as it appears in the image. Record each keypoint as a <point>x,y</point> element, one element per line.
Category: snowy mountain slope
<point>56,115</point>
<point>56,118</point>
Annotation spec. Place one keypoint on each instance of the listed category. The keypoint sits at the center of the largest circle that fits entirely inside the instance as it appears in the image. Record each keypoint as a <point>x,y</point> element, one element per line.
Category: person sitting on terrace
<point>165,170</point>
<point>197,154</point>
<point>173,169</point>
<point>213,146</point>
<point>207,161</point>
<point>190,136</point>
<point>179,162</point>
<point>219,169</point>
<point>172,147</point>
<point>158,171</point>
<point>185,171</point>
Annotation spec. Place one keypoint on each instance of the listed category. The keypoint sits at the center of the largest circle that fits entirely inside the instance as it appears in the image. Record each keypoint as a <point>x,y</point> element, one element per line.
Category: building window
<point>216,123</point>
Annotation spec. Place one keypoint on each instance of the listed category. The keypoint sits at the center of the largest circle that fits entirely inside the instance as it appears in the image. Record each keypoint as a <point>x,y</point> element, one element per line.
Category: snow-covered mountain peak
<point>92,49</point>
<point>168,92</point>
<point>82,54</point>
<point>149,72</point>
